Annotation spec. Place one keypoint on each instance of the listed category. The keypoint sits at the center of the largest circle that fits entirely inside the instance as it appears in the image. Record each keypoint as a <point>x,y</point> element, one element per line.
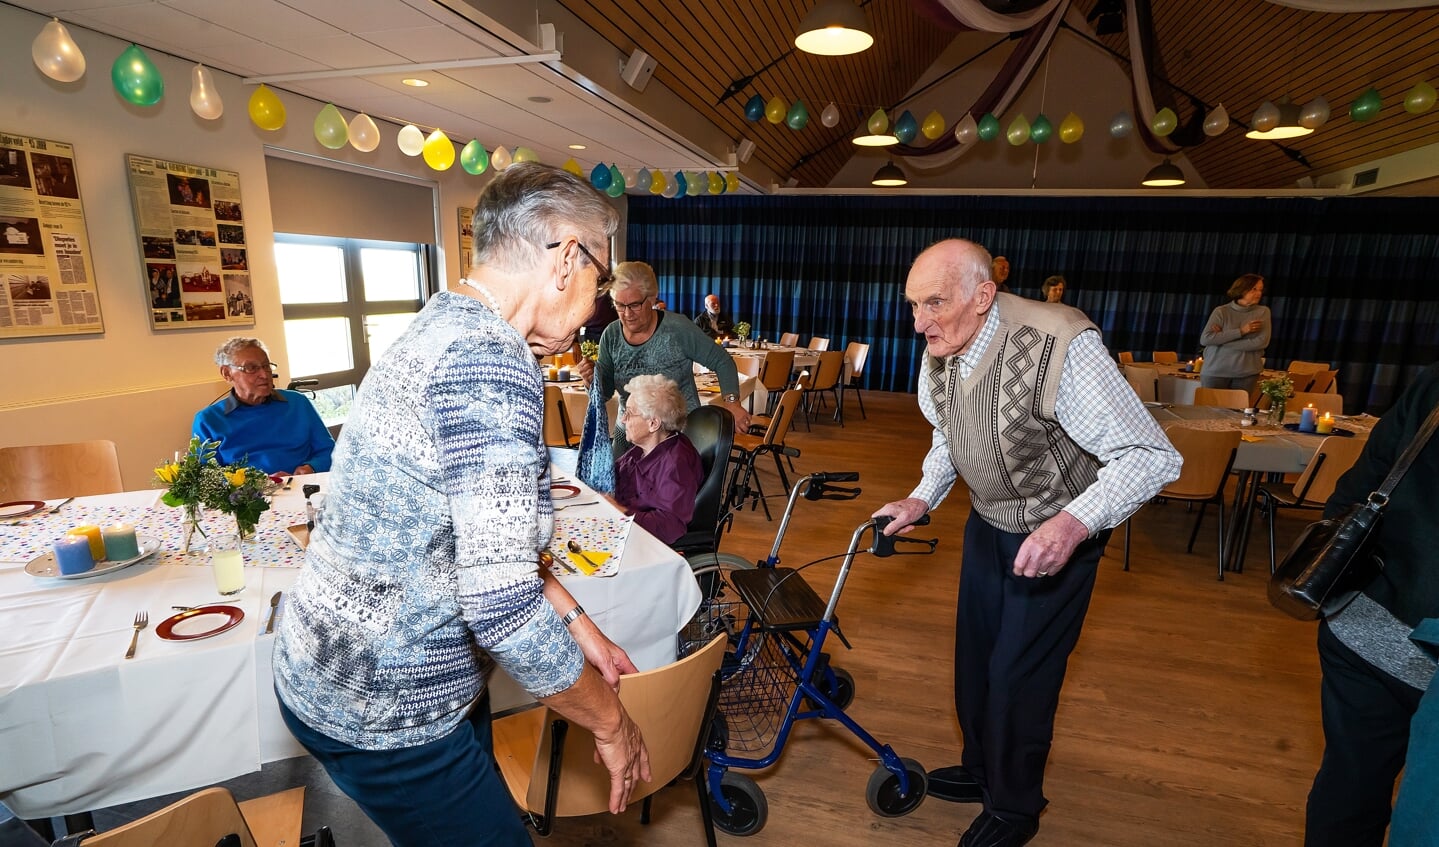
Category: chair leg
<point>1126,541</point>
<point>1271,510</point>
<point>645,810</point>
<point>859,395</point>
<point>783,477</point>
<point>1194,533</point>
<point>706,813</point>
<point>1220,540</point>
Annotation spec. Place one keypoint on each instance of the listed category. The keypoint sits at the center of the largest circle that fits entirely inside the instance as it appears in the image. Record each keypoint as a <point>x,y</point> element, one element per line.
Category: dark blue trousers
<point>1012,641</point>
<point>446,792</point>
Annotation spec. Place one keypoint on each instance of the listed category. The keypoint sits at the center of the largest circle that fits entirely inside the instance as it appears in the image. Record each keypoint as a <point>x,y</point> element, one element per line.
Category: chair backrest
<point>50,471</point>
<point>856,355</point>
<point>711,430</point>
<point>1297,366</point>
<point>1208,456</point>
<point>779,422</point>
<point>1165,357</point>
<point>789,339</point>
<point>1331,403</point>
<point>557,420</point>
<point>803,380</point>
<point>1224,398</point>
<point>774,376</point>
<point>1336,454</point>
<point>748,365</point>
<point>1126,358</point>
<point>667,704</point>
<point>1144,381</point>
<point>818,343</point>
<point>1323,382</point>
<point>203,818</point>
<point>826,377</point>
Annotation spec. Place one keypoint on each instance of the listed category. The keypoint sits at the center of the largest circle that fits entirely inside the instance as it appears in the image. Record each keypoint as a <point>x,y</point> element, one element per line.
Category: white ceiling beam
<point>373,70</point>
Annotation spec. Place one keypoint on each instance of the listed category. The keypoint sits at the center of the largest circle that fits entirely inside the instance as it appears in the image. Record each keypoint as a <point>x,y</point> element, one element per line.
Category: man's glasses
<point>252,368</point>
<point>604,277</point>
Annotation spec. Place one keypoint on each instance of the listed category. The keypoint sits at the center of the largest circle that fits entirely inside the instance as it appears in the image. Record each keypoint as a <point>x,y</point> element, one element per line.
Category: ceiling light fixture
<point>1275,122</point>
<point>834,28</point>
<point>876,132</point>
<point>577,147</point>
<point>1107,17</point>
<point>415,82</point>
<point>1166,174</point>
<point>889,176</point>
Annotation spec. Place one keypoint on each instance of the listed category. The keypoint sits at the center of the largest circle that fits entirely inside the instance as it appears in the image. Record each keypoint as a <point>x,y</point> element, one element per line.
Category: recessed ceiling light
<point>541,99</point>
<point>415,82</point>
<point>577,147</point>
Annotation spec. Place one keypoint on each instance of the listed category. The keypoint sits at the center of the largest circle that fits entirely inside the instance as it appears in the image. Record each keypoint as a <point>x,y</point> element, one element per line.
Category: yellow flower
<point>236,477</point>
<point>167,473</point>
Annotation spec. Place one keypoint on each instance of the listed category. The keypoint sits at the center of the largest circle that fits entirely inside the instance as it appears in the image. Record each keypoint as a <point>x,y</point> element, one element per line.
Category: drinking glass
<point>228,563</point>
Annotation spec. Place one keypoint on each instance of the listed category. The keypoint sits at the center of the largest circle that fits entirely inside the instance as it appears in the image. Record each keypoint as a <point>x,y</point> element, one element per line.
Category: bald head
<point>956,260</point>
<point>949,292</point>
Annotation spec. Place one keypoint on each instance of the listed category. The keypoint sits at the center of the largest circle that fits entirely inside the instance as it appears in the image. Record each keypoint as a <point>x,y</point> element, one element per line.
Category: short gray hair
<point>657,396</point>
<point>527,205</point>
<point>225,354</point>
<point>635,276</point>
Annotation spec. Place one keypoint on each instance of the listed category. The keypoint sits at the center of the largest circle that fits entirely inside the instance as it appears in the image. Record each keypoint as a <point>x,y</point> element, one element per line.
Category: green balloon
<point>617,182</point>
<point>330,128</point>
<point>136,78</point>
<point>1366,106</point>
<point>1041,130</point>
<point>474,159</point>
<point>988,127</point>
<point>797,116</point>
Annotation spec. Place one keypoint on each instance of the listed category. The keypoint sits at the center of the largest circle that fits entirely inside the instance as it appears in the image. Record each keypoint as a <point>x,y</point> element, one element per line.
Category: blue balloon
<point>643,179</point>
<point>754,109</point>
<point>681,184</point>
<point>601,177</point>
<point>906,128</point>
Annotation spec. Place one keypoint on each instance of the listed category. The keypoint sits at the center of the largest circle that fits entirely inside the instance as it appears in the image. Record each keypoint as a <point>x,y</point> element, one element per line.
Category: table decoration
<point>72,554</point>
<point>1278,389</point>
<point>1324,425</point>
<point>197,480</point>
<point>120,541</point>
<point>91,534</point>
<point>1307,418</point>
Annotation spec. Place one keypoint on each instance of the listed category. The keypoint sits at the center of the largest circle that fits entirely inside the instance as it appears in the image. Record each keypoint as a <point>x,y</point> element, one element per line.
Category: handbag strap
<point>1380,496</point>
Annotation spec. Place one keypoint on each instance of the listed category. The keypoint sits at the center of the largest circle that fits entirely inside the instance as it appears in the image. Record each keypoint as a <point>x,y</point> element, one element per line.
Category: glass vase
<point>244,529</point>
<point>1276,411</point>
<point>194,518</point>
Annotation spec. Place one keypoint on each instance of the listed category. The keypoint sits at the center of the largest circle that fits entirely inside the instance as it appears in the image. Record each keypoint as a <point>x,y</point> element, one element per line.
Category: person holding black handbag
<point>1373,674</point>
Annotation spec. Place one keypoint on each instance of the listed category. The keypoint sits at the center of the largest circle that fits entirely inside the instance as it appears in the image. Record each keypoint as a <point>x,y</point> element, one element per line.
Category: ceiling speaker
<point>638,70</point>
<point>745,149</point>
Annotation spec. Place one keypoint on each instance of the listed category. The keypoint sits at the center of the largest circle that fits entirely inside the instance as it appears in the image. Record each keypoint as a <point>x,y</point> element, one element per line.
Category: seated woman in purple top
<point>657,479</point>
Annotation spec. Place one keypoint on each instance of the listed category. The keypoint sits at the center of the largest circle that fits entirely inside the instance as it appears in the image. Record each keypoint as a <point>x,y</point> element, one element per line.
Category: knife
<point>274,607</point>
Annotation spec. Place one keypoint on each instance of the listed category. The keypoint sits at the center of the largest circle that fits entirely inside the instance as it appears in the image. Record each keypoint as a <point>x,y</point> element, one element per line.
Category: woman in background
<point>1235,337</point>
<point>657,479</point>
<point>1053,289</point>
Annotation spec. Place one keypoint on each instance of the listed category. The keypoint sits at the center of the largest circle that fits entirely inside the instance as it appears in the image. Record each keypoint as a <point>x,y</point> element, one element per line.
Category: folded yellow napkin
<point>585,567</point>
<point>707,389</point>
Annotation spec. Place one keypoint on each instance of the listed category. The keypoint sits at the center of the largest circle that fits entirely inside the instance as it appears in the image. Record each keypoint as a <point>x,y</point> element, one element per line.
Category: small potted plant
<point>197,481</point>
<point>741,331</point>
<point>1278,389</point>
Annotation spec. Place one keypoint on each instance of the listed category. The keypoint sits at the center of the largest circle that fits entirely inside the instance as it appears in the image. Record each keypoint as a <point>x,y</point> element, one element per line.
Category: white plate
<point>44,566</point>
<point>21,508</point>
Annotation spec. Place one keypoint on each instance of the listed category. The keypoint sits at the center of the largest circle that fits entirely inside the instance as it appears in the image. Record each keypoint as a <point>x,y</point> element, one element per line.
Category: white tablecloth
<point>82,728</point>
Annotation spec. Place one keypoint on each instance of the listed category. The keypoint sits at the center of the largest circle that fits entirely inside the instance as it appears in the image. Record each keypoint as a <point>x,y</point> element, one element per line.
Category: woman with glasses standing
<point>647,341</point>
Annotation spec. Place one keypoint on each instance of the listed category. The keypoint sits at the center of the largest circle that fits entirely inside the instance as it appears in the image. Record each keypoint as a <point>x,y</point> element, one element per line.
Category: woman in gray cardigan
<point>1235,337</point>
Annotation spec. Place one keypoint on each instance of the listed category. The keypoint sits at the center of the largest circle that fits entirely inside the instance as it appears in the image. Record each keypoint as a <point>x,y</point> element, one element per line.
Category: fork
<point>142,620</point>
<point>561,508</point>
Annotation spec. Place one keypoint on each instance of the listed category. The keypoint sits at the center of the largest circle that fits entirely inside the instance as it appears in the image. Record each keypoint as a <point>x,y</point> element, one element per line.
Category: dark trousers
<point>1366,730</point>
<point>1012,642</point>
<point>446,792</point>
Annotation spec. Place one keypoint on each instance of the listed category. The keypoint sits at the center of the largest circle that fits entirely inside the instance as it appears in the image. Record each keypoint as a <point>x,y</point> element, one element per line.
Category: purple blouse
<point>659,489</point>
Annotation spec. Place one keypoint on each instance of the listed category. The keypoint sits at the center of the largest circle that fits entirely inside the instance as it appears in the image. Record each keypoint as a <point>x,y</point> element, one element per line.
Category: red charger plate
<point>20,508</point>
<point>194,624</point>
<point>560,491</point>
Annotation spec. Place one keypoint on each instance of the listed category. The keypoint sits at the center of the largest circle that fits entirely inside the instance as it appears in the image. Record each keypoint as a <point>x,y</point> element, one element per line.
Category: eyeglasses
<point>631,307</point>
<point>252,369</point>
<point>604,277</point>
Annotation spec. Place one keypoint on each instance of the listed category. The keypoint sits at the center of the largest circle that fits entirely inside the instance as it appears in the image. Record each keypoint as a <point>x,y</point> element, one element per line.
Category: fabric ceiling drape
<point>1355,5</point>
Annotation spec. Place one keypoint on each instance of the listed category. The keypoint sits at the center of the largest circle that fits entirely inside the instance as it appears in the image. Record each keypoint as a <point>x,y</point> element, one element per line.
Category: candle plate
<point>20,508</point>
<point>44,565</point>
<point>194,624</point>
<point>1340,431</point>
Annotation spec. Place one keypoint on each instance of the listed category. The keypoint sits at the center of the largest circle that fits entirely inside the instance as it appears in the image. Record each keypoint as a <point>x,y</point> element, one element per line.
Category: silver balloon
<point>967,130</point>
<point>1266,117</point>
<point>56,54</point>
<point>204,99</point>
<point>643,180</point>
<point>1122,125</point>
<point>830,116</point>
<point>1217,121</point>
<point>1314,114</point>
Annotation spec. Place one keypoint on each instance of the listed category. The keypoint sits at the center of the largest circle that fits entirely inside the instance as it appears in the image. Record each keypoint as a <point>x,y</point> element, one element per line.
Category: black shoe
<point>954,784</point>
<point>990,830</point>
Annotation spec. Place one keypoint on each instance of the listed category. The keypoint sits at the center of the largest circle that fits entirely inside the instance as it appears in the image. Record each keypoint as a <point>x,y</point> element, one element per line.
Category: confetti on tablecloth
<point>272,546</point>
<point>594,534</point>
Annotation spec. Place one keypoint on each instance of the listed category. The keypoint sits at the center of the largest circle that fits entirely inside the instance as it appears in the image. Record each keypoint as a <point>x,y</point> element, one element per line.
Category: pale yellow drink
<point>228,563</point>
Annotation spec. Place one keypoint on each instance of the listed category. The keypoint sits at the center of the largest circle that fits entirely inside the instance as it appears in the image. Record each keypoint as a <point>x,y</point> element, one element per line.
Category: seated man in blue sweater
<point>278,431</point>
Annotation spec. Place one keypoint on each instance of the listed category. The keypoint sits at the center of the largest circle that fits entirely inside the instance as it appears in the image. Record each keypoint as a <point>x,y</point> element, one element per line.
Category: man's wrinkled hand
<point>905,512</point>
<point>1047,550</point>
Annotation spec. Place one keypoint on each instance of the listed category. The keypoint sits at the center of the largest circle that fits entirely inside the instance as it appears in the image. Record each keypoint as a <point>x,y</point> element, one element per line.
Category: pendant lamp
<point>889,176</point>
<point>834,28</point>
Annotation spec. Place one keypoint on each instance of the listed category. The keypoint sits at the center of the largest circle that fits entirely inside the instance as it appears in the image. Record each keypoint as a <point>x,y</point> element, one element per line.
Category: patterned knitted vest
<point>1004,437</point>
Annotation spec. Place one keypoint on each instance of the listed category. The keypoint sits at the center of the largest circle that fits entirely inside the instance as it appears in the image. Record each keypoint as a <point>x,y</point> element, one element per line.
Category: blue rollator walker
<point>776,671</point>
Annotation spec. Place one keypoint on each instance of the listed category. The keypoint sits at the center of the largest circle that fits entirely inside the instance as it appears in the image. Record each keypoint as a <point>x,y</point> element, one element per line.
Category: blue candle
<point>1306,419</point>
<point>120,542</point>
<point>72,554</point>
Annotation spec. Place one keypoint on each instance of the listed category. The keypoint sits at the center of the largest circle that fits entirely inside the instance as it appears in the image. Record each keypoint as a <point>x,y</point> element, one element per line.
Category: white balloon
<point>1266,117</point>
<point>364,135</point>
<point>830,116</point>
<point>642,180</point>
<point>967,130</point>
<point>1217,121</point>
<point>1314,113</point>
<point>1122,125</point>
<point>500,159</point>
<point>56,54</point>
<point>631,177</point>
<point>204,99</point>
<point>411,140</point>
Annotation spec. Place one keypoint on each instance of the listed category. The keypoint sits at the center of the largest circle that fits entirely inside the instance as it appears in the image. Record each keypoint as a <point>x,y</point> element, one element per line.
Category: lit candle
<point>91,534</point>
<point>1324,425</point>
<point>72,554</point>
<point>564,374</point>
<point>120,542</point>
<point>1306,418</point>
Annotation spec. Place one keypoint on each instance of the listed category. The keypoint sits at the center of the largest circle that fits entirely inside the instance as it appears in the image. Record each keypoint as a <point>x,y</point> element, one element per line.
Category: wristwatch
<point>731,398</point>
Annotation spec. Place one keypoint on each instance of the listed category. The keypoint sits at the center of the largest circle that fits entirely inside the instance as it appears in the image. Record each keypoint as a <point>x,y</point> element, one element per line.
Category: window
<point>346,301</point>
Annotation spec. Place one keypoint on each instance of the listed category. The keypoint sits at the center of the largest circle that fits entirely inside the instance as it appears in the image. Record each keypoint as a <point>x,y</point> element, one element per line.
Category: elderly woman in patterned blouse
<point>422,572</point>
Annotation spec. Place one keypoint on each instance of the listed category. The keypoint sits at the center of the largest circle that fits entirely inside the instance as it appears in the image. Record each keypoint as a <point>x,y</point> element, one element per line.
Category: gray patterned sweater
<point>422,566</point>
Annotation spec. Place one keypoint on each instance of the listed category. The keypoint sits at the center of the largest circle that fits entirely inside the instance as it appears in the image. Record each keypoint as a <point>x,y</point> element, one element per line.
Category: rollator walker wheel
<point>749,809</point>
<point>883,794</point>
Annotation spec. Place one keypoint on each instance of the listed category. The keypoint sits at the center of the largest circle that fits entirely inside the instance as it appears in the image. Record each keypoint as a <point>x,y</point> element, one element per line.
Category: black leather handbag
<point>1333,560</point>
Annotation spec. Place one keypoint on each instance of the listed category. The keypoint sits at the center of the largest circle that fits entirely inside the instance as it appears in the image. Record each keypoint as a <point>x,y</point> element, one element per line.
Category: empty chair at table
<point>1331,403</point>
<point>789,339</point>
<point>212,816</point>
<point>1144,381</point>
<point>1165,357</point>
<point>558,430</point>
<point>1336,454</point>
<point>774,375</point>
<point>826,378</point>
<point>1208,457</point>
<point>819,344</point>
<point>51,471</point>
<point>1324,382</point>
<point>745,481</point>
<point>1224,398</point>
<point>1126,358</point>
<point>856,356</point>
<point>1303,374</point>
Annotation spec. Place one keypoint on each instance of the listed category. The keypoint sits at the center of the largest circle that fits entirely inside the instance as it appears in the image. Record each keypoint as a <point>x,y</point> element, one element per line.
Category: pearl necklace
<point>490,300</point>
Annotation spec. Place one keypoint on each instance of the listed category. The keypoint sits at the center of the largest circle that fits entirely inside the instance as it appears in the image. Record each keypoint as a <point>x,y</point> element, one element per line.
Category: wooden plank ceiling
<point>1236,52</point>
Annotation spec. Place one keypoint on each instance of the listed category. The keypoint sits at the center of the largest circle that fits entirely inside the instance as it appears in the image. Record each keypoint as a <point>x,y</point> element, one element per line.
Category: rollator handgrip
<point>884,545</point>
<point>819,486</point>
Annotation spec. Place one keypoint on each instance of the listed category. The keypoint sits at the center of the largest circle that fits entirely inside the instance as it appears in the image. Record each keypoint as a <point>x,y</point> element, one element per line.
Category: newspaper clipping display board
<point>192,240</point>
<point>48,275</point>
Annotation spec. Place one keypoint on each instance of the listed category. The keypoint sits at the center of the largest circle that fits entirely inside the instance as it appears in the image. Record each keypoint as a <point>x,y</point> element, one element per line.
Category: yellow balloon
<point>439,152</point>
<point>775,110</point>
<point>731,181</point>
<point>574,167</point>
<point>716,184</point>
<point>266,109</point>
<point>933,126</point>
<point>657,183</point>
<point>878,122</point>
<point>525,154</point>
<point>1071,129</point>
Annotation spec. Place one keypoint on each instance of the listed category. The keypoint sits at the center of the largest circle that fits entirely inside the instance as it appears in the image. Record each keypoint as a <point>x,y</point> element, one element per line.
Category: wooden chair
<point>1208,457</point>
<point>1336,454</point>
<point>549,765</point>
<point>711,430</point>
<point>558,432</point>
<point>789,339</point>
<point>206,817</point>
<point>774,375</point>
<point>1224,398</point>
<point>1144,381</point>
<point>1324,382</point>
<point>819,344</point>
<point>50,471</point>
<point>856,356</point>
<point>745,482</point>
<point>826,378</point>
<point>1126,358</point>
<point>1331,403</point>
<point>1165,357</point>
<point>1302,374</point>
<point>749,366</point>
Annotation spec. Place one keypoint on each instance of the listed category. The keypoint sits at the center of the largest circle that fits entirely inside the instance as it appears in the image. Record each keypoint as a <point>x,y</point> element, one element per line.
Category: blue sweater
<point>276,436</point>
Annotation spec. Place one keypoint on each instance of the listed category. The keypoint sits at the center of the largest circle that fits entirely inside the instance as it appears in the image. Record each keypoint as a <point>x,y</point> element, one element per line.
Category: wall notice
<point>47,279</point>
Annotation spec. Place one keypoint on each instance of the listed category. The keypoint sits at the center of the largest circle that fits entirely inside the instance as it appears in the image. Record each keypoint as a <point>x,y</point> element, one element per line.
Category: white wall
<point>62,389</point>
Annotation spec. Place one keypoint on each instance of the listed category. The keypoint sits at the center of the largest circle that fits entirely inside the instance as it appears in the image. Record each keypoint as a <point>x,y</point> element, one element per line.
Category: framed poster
<point>191,226</point>
<point>48,285</point>
<point>467,240</point>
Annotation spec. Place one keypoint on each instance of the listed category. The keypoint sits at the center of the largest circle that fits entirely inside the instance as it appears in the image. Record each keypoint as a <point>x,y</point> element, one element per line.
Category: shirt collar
<point>230,402</point>
<point>987,331</point>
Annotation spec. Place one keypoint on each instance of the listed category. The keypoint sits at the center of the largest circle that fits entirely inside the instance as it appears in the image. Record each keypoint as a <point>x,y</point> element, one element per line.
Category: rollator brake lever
<point>884,545</point>
<point>820,488</point>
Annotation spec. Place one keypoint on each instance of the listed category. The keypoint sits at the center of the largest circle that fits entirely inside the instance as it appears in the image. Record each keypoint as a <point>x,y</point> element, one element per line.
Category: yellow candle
<point>1324,425</point>
<point>92,535</point>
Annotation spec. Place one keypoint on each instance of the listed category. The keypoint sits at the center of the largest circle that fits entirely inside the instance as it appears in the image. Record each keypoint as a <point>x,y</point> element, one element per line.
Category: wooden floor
<point>1190,715</point>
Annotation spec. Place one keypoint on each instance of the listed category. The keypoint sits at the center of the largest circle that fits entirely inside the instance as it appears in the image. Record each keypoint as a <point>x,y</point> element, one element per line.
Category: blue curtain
<point>1351,281</point>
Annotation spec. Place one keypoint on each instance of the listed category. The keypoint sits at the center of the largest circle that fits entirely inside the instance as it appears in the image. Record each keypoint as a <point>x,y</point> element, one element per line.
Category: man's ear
<point>984,295</point>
